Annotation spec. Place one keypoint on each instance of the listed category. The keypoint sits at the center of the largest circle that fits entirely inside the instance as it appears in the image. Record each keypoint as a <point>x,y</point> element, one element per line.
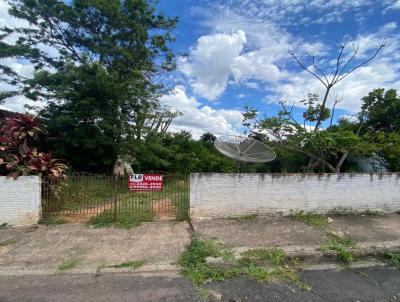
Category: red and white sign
<point>145,182</point>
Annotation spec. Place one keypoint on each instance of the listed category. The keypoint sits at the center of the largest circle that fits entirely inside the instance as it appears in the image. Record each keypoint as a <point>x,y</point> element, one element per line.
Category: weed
<point>131,264</point>
<point>245,218</point>
<point>3,225</point>
<point>7,242</point>
<point>310,218</point>
<point>196,269</point>
<point>99,267</point>
<point>393,259</point>
<point>68,264</point>
<point>125,220</point>
<point>52,220</point>
<point>204,293</point>
<point>342,212</point>
<point>343,246</point>
<point>275,256</point>
<point>370,212</point>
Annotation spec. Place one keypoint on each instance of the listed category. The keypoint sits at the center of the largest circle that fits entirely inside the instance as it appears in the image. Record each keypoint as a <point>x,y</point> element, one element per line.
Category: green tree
<point>97,75</point>
<point>382,119</point>
<point>326,148</point>
<point>382,110</point>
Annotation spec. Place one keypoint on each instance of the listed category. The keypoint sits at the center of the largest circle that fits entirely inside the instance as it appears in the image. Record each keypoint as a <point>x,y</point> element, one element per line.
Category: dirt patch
<point>163,209</point>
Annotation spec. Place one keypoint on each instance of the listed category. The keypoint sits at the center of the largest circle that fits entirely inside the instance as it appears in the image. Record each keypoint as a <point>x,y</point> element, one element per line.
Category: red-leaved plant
<point>16,154</point>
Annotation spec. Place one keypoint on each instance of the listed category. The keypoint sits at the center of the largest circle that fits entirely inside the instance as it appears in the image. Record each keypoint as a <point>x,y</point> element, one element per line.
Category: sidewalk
<point>43,249</point>
<point>372,234</point>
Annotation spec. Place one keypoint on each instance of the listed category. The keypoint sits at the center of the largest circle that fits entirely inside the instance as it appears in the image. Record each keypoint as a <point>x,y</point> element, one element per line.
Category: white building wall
<point>20,200</point>
<point>225,195</point>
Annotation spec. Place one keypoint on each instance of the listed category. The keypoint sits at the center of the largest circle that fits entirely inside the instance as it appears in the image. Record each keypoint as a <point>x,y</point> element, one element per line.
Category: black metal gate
<point>79,197</point>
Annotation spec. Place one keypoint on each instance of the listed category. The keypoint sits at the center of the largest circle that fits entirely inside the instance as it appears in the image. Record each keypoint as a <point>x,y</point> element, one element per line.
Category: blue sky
<point>237,55</point>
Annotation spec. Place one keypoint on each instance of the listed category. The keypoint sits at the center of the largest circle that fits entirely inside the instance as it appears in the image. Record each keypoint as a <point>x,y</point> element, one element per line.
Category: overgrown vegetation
<point>393,259</point>
<point>131,264</point>
<point>68,264</point>
<point>124,219</point>
<point>3,225</point>
<point>310,218</point>
<point>263,265</point>
<point>343,246</point>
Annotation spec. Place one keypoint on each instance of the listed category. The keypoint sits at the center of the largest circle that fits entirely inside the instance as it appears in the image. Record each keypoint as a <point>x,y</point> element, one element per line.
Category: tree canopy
<point>98,68</point>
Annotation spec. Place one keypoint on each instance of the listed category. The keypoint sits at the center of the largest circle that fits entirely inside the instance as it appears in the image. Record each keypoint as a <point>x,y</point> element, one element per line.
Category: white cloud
<point>198,119</point>
<point>240,51</point>
<point>393,5</point>
<point>210,62</point>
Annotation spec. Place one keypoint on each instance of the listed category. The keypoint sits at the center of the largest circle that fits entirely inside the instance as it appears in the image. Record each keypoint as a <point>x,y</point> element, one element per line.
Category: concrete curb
<point>310,257</point>
<point>145,269</point>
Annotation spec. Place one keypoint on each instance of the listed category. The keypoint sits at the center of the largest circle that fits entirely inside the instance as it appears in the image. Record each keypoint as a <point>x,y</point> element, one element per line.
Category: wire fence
<point>80,197</point>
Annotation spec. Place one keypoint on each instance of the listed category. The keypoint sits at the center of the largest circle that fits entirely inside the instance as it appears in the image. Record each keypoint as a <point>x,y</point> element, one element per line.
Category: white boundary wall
<point>225,195</point>
<point>20,200</point>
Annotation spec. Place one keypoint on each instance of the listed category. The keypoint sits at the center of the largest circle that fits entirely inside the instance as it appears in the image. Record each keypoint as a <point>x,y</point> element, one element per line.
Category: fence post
<point>115,197</point>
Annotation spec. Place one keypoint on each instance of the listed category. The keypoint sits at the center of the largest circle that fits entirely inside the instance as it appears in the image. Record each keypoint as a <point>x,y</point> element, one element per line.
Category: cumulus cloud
<point>198,119</point>
<point>210,62</point>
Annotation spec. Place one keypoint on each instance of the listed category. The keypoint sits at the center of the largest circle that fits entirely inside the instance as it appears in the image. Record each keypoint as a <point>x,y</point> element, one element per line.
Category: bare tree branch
<point>342,47</point>
<point>381,45</point>
<point>291,52</point>
<point>319,70</point>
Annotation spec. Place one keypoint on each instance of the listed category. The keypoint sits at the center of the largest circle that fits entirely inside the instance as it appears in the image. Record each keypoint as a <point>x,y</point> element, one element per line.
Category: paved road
<point>369,284</point>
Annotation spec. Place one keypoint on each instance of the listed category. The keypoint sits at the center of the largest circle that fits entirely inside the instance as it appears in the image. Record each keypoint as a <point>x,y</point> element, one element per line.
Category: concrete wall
<point>20,200</point>
<point>224,195</point>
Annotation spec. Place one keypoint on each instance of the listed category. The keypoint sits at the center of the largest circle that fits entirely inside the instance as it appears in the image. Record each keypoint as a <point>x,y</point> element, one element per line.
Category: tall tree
<point>98,67</point>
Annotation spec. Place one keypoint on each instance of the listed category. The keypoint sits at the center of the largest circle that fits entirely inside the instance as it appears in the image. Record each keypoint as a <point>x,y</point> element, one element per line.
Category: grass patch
<point>393,259</point>
<point>245,218</point>
<point>68,264</point>
<point>343,246</point>
<point>131,264</point>
<point>51,220</point>
<point>370,212</point>
<point>3,225</point>
<point>310,218</point>
<point>7,242</point>
<point>275,256</point>
<point>197,270</point>
<point>127,220</point>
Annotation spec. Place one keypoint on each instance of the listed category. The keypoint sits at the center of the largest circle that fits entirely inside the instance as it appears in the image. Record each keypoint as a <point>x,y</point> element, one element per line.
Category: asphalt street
<point>367,284</point>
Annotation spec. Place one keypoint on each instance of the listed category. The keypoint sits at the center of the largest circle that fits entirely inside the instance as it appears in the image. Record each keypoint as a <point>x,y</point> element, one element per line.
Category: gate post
<point>115,197</point>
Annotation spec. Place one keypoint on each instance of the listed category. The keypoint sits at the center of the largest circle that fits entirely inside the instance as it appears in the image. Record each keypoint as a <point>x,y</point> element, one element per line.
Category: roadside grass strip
<point>263,265</point>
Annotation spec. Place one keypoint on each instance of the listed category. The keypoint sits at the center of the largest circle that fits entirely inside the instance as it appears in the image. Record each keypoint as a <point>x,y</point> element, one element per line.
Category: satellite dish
<point>242,148</point>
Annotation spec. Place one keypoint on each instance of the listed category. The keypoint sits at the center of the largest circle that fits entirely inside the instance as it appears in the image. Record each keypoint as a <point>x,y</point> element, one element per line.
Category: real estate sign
<point>145,182</point>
